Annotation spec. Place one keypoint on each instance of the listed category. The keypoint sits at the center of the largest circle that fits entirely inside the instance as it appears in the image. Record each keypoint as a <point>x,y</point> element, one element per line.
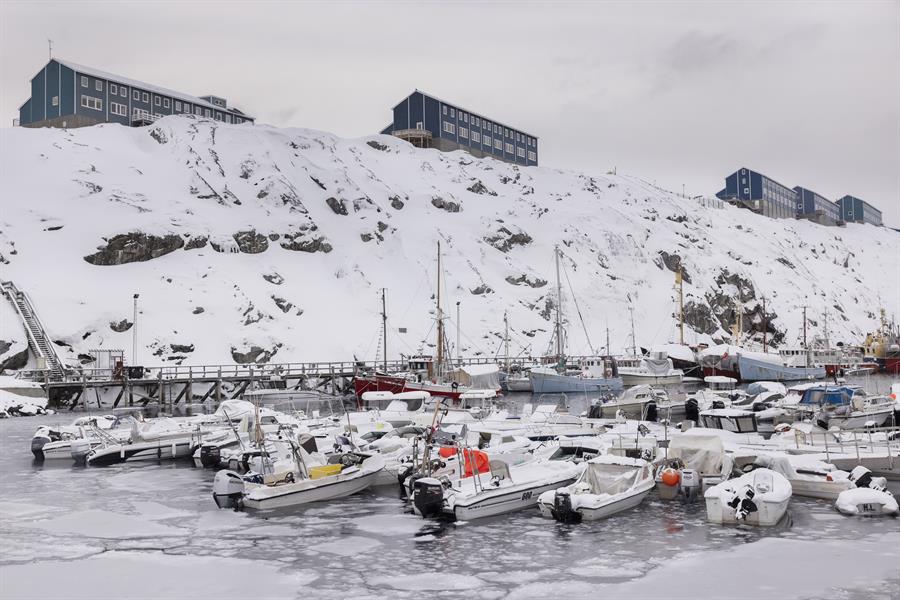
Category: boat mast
<point>765,323</point>
<point>506,338</point>
<point>440,319</point>
<point>825,327</point>
<point>608,352</point>
<point>804,326</point>
<point>679,280</point>
<point>633,339</point>
<point>384,326</point>
<point>559,334</point>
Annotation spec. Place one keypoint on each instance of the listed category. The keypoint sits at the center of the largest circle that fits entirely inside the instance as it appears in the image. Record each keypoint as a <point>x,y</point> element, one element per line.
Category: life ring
<point>454,386</point>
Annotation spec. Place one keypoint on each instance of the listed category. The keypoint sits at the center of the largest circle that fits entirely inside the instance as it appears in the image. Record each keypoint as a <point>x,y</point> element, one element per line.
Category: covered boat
<point>755,366</point>
<point>654,369</point>
<point>759,497</point>
<point>608,485</point>
<point>597,374</point>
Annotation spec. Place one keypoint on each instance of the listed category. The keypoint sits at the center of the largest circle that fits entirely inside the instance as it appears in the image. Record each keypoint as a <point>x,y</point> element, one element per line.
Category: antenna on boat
<point>458,359</point>
<point>506,338</point>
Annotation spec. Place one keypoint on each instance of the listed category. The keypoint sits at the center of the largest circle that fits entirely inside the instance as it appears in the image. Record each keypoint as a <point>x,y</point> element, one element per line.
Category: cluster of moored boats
<point>477,458</point>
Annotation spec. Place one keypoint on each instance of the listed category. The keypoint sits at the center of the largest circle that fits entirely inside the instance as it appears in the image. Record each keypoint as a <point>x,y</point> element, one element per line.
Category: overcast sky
<point>675,92</point>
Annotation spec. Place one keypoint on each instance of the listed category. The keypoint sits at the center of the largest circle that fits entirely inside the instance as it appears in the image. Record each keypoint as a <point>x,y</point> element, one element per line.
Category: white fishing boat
<point>760,497</point>
<point>500,490</point>
<point>608,485</point>
<point>809,478</point>
<point>654,369</point>
<point>159,440</point>
<point>312,479</point>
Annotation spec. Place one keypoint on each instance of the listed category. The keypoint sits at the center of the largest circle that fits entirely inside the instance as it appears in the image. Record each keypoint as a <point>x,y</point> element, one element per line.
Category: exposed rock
<point>700,318</point>
<point>744,286</point>
<point>672,262</point>
<point>525,280</point>
<point>273,278</point>
<point>282,304</point>
<point>339,207</point>
<point>254,355</point>
<point>504,239</point>
<point>482,289</point>
<point>198,310</point>
<point>159,135</point>
<point>480,188</point>
<point>396,202</point>
<point>251,242</point>
<point>121,326</point>
<point>182,348</point>
<point>296,242</point>
<point>318,183</point>
<point>196,242</point>
<point>447,205</point>
<point>274,237</point>
<point>4,347</point>
<point>381,226</point>
<point>15,361</point>
<point>366,237</point>
<point>376,145</point>
<point>786,262</point>
<point>134,247</point>
<point>86,359</point>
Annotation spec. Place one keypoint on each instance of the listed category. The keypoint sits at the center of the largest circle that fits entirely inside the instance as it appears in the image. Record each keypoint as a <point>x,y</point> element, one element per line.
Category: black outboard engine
<point>651,411</point>
<point>228,490</point>
<point>428,497</point>
<point>595,411</point>
<point>562,508</point>
<point>718,404</point>
<point>210,455</point>
<point>37,446</point>
<point>743,504</point>
<point>692,410</point>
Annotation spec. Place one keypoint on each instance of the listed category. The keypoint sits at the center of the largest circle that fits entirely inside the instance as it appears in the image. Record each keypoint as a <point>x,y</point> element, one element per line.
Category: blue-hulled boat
<point>757,369</point>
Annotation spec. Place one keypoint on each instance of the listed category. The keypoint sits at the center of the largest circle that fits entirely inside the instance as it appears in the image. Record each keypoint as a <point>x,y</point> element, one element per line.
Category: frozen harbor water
<point>152,530</point>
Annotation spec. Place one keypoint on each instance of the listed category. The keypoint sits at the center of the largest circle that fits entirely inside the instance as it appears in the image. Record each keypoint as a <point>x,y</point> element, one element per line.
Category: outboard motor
<point>228,490</point>
<point>718,404</point>
<point>692,410</point>
<point>37,446</point>
<point>690,484</point>
<point>428,497</point>
<point>562,508</point>
<point>595,411</point>
<point>80,450</point>
<point>210,455</point>
<point>860,476</point>
<point>742,503</point>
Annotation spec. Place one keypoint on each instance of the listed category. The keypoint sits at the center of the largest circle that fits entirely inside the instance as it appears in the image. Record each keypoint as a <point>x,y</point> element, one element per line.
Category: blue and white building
<point>429,122</point>
<point>65,94</point>
<point>811,205</point>
<point>854,210</point>
<point>760,194</point>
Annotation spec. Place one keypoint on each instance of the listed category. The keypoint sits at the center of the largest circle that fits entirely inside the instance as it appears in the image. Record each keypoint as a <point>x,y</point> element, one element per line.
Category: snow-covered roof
<point>145,86</point>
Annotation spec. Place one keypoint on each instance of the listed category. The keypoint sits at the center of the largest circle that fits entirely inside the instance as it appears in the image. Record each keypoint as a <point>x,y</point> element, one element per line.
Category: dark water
<point>69,531</point>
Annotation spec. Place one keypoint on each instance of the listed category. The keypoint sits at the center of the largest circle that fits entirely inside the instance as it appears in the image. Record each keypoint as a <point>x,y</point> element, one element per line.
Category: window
<point>498,144</point>
<point>744,180</point>
<point>113,89</point>
<point>123,91</point>
<point>227,118</point>
<point>197,111</point>
<point>84,81</point>
<point>420,125</point>
<point>449,127</point>
<point>178,105</point>
<point>476,137</point>
<point>145,97</point>
<point>531,156</point>
<point>118,109</point>
<point>520,152</point>
<point>506,132</point>
<point>98,85</point>
<point>93,103</point>
<point>54,101</point>
<point>747,191</point>
<point>166,102</point>
<point>517,138</point>
<point>238,120</point>
<point>487,140</point>
<point>219,116</point>
<point>187,108</point>
<point>463,132</point>
<point>445,111</point>
<point>452,113</point>
<point>510,148</point>
<point>156,100</point>
<point>135,95</point>
<point>477,122</point>
<point>206,112</point>
<point>466,118</point>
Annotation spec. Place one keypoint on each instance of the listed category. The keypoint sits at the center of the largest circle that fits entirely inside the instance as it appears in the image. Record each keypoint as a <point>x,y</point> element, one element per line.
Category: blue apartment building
<point>817,207</point>
<point>65,94</point>
<point>854,210</point>
<point>429,122</point>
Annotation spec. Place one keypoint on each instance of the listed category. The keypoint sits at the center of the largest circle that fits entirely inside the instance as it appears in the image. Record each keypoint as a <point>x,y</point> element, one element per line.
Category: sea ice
<point>105,524</point>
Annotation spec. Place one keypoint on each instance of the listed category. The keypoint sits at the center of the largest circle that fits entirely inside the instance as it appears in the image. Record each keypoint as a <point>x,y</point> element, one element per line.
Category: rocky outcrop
<point>196,242</point>
<point>447,205</point>
<point>523,279</point>
<point>376,145</point>
<point>396,203</point>
<point>479,188</point>
<point>254,354</point>
<point>504,240</point>
<point>134,247</point>
<point>121,326</point>
<point>14,361</point>
<point>273,278</point>
<point>700,318</point>
<point>482,289</point>
<point>673,263</point>
<point>338,207</point>
<point>251,242</point>
<point>300,243</point>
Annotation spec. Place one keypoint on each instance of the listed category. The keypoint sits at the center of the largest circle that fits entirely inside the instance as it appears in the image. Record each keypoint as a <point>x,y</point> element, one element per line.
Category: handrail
<point>11,291</point>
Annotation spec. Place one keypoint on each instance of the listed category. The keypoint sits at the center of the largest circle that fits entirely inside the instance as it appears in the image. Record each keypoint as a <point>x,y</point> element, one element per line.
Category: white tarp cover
<point>703,453</point>
<point>477,377</point>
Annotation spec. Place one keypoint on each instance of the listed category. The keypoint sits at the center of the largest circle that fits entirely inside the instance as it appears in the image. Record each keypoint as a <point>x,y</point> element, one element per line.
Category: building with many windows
<point>760,194</point>
<point>816,207</point>
<point>855,210</point>
<point>65,94</point>
<point>429,122</point>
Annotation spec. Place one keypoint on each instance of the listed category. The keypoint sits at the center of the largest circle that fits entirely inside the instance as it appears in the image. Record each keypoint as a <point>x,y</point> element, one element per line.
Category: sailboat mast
<point>827,341</point>
<point>679,279</point>
<point>384,326</point>
<point>506,339</point>
<point>765,323</point>
<point>633,338</point>
<point>440,318</point>
<point>804,326</point>
<point>559,335</point>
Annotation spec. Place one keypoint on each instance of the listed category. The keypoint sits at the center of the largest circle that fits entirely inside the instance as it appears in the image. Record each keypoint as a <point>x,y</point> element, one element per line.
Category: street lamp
<point>134,359</point>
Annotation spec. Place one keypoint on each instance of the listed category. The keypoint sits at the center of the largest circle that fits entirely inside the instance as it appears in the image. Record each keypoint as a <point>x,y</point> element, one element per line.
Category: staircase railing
<point>47,352</point>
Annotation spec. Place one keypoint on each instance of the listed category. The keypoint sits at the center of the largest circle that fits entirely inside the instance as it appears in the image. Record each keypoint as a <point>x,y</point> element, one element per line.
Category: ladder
<point>38,342</point>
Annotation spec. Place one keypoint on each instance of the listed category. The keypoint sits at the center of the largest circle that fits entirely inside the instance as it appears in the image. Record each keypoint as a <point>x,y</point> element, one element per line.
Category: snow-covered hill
<point>255,243</point>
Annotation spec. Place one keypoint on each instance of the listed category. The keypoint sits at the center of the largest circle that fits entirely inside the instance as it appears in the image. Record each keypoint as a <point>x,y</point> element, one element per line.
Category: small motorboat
<point>608,485</point>
<point>809,478</point>
<point>759,497</point>
<point>693,464</point>
<point>501,489</point>
<point>869,496</point>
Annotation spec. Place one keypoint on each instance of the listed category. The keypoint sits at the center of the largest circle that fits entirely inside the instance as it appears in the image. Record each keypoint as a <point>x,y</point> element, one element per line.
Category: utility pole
<point>50,48</point>
<point>506,339</point>
<point>825,333</point>
<point>134,356</point>
<point>384,326</point>
<point>608,353</point>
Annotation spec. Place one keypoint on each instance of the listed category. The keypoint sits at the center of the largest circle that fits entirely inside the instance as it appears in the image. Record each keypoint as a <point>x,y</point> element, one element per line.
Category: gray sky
<point>675,92</point>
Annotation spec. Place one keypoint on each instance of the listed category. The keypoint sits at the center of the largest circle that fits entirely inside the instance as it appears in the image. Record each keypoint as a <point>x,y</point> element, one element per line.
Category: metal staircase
<point>40,345</point>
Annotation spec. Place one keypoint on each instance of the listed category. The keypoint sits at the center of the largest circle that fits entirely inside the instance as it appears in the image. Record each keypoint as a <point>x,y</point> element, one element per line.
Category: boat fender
<point>670,477</point>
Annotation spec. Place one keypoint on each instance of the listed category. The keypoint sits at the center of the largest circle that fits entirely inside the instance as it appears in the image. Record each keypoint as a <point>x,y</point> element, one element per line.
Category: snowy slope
<point>281,239</point>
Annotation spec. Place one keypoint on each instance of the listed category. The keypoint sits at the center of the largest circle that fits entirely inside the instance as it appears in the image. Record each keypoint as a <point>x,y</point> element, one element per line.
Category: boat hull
<point>296,494</point>
<point>552,383</point>
<point>752,369</point>
<point>632,379</point>
<point>606,509</point>
<point>161,450</point>
<point>500,502</point>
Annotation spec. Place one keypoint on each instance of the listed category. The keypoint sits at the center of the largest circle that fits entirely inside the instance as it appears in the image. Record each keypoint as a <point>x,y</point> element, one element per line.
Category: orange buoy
<point>670,477</point>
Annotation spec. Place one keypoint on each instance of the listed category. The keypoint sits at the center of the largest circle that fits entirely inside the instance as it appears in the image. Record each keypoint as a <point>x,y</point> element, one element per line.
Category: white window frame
<point>98,85</point>
<point>452,113</point>
<point>198,111</point>
<point>84,81</point>
<point>463,132</point>
<point>178,105</point>
<point>156,100</point>
<point>113,89</point>
<point>91,102</point>
<point>498,144</point>
<point>145,97</point>
<point>54,101</point>
<point>135,94</point>
<point>476,137</point>
<point>510,149</point>
<point>123,91</point>
<point>520,151</point>
<point>206,112</point>
<point>445,110</point>
<point>166,103</point>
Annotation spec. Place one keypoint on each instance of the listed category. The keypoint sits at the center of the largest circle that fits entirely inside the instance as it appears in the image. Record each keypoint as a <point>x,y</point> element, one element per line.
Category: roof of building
<point>861,200</point>
<point>477,114</point>
<point>144,86</point>
<point>763,175</point>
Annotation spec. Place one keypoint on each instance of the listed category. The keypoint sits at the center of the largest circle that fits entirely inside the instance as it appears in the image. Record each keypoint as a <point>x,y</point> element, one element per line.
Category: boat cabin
<point>600,366</point>
<point>729,419</point>
<point>825,395</point>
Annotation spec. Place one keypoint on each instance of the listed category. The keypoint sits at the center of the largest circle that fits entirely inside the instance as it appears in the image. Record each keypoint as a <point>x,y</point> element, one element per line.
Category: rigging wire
<point>578,310</point>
